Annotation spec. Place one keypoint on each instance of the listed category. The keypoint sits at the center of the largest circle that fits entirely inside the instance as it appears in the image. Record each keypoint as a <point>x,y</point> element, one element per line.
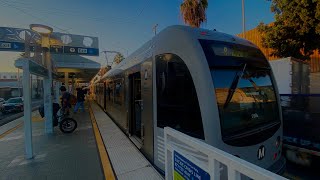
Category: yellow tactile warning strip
<point>106,164</point>
<point>37,118</point>
<point>11,130</point>
<point>34,119</point>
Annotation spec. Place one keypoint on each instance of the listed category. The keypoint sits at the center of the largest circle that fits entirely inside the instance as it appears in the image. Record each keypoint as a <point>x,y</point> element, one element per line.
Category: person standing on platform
<point>80,100</point>
<point>65,100</point>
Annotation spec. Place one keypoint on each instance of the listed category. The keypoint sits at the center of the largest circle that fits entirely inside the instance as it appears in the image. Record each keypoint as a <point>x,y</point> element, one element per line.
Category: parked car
<point>1,103</point>
<point>13,105</point>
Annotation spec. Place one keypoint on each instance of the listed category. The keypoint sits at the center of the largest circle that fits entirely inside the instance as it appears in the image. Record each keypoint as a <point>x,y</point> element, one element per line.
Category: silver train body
<point>210,85</point>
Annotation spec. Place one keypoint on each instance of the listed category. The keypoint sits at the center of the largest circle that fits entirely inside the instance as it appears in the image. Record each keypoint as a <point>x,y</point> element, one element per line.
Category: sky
<point>122,25</point>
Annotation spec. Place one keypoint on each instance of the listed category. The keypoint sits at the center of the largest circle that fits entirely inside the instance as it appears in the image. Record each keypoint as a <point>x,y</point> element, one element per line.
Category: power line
<point>106,56</point>
<point>29,14</point>
<point>32,6</point>
<point>67,13</point>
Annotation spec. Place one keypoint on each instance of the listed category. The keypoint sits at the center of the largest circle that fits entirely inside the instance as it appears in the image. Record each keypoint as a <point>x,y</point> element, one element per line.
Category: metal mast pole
<point>155,29</point>
<point>243,20</point>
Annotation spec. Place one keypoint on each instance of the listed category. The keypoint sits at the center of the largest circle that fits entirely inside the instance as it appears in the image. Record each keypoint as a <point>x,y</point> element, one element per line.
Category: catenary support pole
<point>57,91</point>
<point>48,94</point>
<point>27,111</point>
<point>243,20</point>
<point>66,80</point>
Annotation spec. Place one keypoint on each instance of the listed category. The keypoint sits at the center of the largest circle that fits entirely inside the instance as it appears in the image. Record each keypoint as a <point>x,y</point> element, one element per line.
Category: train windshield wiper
<point>234,85</point>
<point>251,132</point>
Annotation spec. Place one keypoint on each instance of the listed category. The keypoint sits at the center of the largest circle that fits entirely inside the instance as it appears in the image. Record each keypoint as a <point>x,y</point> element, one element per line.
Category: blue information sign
<point>13,39</point>
<point>81,51</point>
<point>185,169</point>
<point>11,46</point>
<point>20,47</point>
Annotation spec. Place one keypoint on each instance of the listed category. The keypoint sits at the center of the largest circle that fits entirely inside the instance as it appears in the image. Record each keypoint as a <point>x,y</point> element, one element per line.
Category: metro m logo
<point>261,152</point>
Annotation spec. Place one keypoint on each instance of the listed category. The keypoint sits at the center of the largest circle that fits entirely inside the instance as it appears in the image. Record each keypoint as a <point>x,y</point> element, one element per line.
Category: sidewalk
<point>57,156</point>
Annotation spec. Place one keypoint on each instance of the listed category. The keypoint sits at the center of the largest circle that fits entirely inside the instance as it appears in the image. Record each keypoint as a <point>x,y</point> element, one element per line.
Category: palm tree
<point>194,12</point>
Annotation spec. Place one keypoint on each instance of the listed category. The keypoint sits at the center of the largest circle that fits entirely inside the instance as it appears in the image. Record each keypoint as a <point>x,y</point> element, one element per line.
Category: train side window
<point>118,92</point>
<point>108,91</point>
<point>177,101</point>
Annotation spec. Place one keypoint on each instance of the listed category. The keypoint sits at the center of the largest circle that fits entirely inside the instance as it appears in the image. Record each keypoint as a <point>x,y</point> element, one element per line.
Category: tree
<point>194,12</point>
<point>296,30</point>
<point>118,58</point>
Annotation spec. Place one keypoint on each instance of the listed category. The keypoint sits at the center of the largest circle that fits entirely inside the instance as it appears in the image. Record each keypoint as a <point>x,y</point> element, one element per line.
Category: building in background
<point>11,85</point>
<point>9,75</point>
<point>255,36</point>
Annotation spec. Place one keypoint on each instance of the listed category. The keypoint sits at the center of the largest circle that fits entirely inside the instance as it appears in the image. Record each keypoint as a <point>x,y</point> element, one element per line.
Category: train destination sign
<point>236,51</point>
<point>13,39</point>
<point>185,169</point>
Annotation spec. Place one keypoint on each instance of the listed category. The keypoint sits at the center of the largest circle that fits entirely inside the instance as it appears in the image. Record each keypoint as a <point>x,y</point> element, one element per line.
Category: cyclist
<point>65,100</point>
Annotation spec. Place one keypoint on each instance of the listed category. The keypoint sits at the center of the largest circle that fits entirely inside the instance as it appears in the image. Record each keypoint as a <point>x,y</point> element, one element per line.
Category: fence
<point>301,120</point>
<point>190,158</point>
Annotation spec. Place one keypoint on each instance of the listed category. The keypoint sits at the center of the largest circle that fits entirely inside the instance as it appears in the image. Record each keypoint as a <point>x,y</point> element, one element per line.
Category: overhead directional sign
<point>34,67</point>
<point>13,39</point>
<point>80,50</point>
<point>56,49</point>
<point>11,46</point>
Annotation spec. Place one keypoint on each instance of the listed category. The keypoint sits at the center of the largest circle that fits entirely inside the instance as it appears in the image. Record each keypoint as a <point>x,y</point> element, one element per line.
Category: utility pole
<point>105,55</point>
<point>155,29</point>
<point>19,83</point>
<point>243,20</point>
<point>105,52</point>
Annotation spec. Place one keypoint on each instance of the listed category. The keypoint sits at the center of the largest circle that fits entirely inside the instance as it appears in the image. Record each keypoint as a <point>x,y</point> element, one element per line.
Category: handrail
<point>206,161</point>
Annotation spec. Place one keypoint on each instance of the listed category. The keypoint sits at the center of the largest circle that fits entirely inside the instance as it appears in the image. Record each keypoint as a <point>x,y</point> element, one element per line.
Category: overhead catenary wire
<point>35,17</point>
<point>55,12</point>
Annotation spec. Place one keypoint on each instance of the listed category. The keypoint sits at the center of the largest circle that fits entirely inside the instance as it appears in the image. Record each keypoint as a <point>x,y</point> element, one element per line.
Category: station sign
<point>80,50</point>
<point>13,39</point>
<point>34,67</point>
<point>184,169</point>
<point>11,46</point>
<point>37,69</point>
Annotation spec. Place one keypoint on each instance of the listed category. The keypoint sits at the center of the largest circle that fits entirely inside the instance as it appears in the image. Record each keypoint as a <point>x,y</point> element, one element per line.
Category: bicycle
<point>66,123</point>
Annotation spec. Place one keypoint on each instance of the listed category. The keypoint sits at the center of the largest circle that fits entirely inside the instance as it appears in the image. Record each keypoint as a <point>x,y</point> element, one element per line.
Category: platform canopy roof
<point>78,67</point>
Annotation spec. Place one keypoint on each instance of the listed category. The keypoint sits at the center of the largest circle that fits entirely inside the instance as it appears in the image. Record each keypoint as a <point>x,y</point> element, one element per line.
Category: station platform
<point>127,161</point>
<point>97,149</point>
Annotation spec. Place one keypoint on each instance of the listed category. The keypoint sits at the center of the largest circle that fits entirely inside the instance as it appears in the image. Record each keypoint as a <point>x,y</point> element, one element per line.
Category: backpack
<point>73,99</point>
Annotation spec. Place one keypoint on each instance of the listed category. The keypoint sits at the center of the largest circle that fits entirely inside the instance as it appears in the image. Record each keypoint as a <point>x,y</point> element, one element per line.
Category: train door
<point>176,104</point>
<point>135,108</point>
<point>147,109</point>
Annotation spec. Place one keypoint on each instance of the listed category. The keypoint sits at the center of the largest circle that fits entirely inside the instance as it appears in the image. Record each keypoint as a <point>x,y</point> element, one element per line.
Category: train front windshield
<point>245,95</point>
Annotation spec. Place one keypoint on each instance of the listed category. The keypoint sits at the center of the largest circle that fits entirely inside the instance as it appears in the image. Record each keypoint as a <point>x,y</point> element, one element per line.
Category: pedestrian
<point>65,100</point>
<point>80,100</point>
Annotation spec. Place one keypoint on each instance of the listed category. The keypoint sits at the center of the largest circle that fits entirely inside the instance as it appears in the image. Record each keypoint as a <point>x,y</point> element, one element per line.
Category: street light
<point>243,20</point>
<point>45,32</point>
<point>41,29</point>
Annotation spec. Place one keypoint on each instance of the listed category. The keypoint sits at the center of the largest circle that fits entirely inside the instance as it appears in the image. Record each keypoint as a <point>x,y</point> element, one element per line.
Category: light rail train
<point>212,86</point>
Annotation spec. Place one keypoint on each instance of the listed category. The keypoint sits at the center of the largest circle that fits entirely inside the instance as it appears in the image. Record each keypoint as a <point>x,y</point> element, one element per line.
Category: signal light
<point>275,156</point>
